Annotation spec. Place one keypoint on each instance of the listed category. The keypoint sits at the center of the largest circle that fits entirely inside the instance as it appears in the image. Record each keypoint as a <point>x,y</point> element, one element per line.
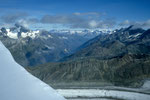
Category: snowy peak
<point>18,84</point>
<point>84,33</point>
<point>22,32</point>
<point>80,32</point>
<point>18,32</point>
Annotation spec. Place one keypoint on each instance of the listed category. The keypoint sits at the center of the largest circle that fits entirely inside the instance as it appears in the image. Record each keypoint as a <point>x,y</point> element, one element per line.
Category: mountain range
<point>120,58</point>
<point>34,47</point>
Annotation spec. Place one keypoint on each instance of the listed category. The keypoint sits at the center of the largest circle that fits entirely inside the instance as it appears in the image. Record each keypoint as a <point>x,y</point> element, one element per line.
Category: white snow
<point>50,47</point>
<point>50,36</point>
<point>63,37</point>
<point>11,34</point>
<point>65,50</point>
<point>146,85</point>
<point>76,31</point>
<point>31,34</point>
<point>17,84</point>
<point>81,32</point>
<point>136,35</point>
<point>97,93</point>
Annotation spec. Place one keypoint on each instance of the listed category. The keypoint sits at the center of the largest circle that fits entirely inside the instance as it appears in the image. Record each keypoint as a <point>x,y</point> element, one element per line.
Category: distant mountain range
<point>30,48</point>
<point>119,58</point>
<point>121,42</point>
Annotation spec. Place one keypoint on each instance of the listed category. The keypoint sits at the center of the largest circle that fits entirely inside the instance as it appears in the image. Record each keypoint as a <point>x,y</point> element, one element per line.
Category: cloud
<point>147,23</point>
<point>61,19</point>
<point>11,18</point>
<point>71,20</point>
<point>20,18</point>
<point>140,24</point>
<point>124,23</point>
<point>78,20</point>
<point>88,13</point>
<point>32,20</point>
<point>92,24</point>
<point>23,23</point>
<point>27,22</point>
<point>89,20</point>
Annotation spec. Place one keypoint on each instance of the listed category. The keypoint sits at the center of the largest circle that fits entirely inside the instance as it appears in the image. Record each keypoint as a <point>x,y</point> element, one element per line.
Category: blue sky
<point>74,14</point>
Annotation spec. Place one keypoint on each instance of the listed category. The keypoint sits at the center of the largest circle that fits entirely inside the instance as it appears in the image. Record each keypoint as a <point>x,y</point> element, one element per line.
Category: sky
<point>75,14</point>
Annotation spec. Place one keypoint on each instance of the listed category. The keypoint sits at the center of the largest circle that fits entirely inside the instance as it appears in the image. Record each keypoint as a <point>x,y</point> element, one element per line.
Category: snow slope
<point>17,84</point>
<point>146,85</point>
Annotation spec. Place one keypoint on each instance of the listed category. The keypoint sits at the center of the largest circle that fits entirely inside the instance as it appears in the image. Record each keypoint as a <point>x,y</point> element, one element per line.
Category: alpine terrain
<point>31,48</point>
<point>121,58</point>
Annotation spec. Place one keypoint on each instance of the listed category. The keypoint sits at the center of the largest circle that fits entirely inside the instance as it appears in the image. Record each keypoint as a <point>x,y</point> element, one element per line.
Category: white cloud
<point>93,24</point>
<point>140,24</point>
<point>88,14</point>
<point>23,23</point>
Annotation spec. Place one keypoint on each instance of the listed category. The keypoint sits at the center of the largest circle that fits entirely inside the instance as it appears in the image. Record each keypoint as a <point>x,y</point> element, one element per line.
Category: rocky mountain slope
<point>120,58</point>
<point>30,48</point>
<point>121,42</point>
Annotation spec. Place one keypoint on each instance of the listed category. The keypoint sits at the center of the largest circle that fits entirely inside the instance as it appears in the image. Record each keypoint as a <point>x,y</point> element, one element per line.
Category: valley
<point>101,68</point>
<point>35,47</point>
<point>74,50</point>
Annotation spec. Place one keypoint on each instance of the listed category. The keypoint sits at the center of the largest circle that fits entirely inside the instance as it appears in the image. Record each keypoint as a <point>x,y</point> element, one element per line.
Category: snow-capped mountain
<point>19,31</point>
<point>85,33</point>
<point>121,58</point>
<point>119,42</point>
<point>17,84</point>
<point>33,47</point>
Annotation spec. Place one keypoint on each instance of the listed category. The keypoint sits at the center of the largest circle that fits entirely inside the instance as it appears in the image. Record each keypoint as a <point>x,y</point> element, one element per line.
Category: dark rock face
<point>3,31</point>
<point>122,58</point>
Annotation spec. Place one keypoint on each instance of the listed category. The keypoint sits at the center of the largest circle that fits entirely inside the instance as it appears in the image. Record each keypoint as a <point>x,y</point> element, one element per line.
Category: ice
<point>100,93</point>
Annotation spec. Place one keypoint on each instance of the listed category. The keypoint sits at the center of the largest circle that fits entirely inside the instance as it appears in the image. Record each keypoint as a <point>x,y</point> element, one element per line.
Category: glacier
<point>98,94</point>
<point>17,84</point>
